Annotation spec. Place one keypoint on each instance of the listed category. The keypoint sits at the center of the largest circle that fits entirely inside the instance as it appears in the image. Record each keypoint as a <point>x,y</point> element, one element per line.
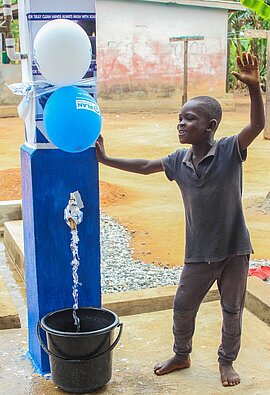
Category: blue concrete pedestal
<point>48,177</point>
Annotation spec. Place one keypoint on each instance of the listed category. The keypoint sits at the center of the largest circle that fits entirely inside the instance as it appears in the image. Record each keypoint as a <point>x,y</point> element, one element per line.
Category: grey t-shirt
<point>212,196</point>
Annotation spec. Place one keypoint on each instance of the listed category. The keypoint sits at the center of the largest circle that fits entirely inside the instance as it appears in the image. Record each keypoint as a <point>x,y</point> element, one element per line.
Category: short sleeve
<point>232,148</point>
<point>242,154</point>
<point>169,164</point>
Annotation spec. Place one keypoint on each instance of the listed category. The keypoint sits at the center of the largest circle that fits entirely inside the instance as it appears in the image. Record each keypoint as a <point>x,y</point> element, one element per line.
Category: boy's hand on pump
<point>100,150</point>
<point>248,70</point>
<point>140,166</point>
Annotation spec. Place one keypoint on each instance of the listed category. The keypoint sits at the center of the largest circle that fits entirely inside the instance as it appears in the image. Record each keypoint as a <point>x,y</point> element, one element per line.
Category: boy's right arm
<point>141,166</point>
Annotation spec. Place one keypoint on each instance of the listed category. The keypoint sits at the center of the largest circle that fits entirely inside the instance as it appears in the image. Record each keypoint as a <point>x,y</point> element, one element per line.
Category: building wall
<point>135,57</point>
<point>136,60</point>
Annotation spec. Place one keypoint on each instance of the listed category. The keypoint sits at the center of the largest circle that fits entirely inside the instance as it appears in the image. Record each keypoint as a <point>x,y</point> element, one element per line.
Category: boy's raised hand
<point>249,74</point>
<point>100,150</point>
<point>248,69</point>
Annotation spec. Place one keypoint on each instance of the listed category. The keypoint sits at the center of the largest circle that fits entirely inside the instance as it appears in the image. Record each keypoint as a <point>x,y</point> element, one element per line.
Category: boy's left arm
<point>249,74</point>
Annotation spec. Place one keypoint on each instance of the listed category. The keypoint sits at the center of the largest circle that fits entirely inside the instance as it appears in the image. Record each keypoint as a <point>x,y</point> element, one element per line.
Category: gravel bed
<point>120,272</point>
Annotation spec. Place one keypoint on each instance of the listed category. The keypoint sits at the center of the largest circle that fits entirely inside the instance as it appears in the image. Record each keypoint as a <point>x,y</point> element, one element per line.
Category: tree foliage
<point>12,1</point>
<point>239,22</point>
<point>261,7</point>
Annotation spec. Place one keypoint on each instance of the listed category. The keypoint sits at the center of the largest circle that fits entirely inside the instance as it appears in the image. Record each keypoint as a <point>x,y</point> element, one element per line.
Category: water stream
<point>75,265</point>
<point>73,216</point>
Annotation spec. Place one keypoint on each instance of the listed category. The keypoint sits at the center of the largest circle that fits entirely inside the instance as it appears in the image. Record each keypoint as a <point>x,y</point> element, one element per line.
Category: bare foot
<point>170,365</point>
<point>228,375</point>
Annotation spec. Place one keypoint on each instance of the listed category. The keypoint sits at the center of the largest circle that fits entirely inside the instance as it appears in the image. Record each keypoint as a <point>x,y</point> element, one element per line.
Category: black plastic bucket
<point>80,361</point>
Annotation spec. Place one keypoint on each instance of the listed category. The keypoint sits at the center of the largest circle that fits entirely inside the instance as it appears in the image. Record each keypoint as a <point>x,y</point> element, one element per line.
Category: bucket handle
<point>85,359</point>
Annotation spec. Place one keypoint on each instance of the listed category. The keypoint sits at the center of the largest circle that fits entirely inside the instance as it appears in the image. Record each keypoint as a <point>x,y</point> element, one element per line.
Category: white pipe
<point>10,42</point>
<point>7,8</point>
<point>10,48</point>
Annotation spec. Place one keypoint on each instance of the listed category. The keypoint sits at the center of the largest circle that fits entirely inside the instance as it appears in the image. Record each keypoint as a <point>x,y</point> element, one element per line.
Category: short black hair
<point>211,107</point>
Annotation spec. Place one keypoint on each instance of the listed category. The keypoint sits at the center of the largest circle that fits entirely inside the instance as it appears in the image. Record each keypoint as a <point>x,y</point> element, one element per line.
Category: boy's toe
<point>225,383</point>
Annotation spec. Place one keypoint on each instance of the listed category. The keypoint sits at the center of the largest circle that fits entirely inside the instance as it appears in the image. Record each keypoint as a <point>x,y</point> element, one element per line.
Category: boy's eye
<point>188,117</point>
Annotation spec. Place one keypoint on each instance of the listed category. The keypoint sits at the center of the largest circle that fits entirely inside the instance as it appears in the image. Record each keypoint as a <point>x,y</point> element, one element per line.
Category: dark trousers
<point>195,282</point>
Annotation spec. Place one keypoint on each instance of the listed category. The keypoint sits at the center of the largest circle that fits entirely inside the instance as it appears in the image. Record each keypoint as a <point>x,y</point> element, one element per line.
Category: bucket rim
<point>56,332</point>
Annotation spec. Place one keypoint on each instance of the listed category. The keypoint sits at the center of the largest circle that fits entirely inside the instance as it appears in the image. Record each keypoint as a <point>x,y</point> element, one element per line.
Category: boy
<point>218,246</point>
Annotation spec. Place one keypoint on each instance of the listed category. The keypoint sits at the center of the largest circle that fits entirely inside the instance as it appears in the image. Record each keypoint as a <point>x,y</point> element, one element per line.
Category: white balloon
<point>62,51</point>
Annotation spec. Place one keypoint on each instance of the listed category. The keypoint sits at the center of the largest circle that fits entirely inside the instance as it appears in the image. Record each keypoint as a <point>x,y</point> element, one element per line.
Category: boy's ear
<point>213,124</point>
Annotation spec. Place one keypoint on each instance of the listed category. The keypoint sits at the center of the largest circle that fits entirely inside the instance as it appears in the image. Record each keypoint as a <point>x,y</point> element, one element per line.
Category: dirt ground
<point>150,206</point>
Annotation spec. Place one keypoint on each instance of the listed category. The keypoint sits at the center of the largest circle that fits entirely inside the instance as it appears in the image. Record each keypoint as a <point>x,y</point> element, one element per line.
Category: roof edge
<point>221,4</point>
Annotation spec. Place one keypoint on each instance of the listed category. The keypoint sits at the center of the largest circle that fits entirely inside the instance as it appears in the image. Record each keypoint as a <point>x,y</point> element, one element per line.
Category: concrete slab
<point>147,338</point>
<point>147,300</point>
<point>143,301</point>
<point>10,210</point>
<point>141,347</point>
<point>258,299</point>
<point>9,317</point>
<point>13,240</point>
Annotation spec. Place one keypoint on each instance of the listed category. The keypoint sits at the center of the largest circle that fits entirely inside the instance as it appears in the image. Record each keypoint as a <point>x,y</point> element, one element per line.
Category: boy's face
<point>193,126</point>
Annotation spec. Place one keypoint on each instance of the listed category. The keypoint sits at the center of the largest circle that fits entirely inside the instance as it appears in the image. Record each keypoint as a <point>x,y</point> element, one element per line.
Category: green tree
<point>260,7</point>
<point>238,23</point>
<point>13,2</point>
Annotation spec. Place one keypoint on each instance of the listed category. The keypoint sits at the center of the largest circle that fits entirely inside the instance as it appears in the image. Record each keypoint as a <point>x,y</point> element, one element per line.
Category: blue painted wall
<point>48,177</point>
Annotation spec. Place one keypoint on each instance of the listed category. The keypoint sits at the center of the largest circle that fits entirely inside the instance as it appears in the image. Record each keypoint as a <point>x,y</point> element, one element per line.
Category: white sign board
<point>33,14</point>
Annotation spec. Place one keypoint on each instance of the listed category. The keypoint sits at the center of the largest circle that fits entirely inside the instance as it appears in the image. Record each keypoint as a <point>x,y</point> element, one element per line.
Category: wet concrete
<point>8,314</point>
<point>147,338</point>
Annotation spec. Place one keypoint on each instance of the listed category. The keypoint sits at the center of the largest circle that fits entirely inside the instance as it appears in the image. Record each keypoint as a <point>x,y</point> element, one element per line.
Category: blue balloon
<point>72,119</point>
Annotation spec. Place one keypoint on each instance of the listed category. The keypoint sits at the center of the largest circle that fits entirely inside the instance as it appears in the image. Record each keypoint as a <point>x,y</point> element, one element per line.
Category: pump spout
<point>72,224</point>
<point>72,214</point>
